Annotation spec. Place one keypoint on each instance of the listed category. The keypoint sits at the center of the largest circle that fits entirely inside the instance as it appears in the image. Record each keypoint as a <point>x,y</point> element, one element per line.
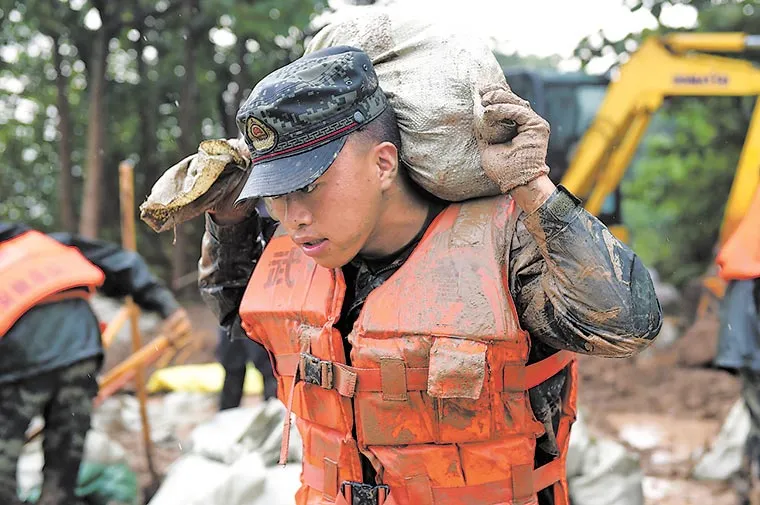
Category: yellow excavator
<point>671,65</point>
<point>678,64</point>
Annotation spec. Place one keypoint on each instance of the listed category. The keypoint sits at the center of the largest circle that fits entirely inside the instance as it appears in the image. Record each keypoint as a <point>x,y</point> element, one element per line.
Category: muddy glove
<point>510,163</point>
<point>196,184</point>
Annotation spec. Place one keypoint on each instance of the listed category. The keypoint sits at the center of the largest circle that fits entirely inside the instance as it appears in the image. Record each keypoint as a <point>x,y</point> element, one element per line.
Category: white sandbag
<point>265,434</point>
<point>234,432</point>
<point>242,484</point>
<point>601,471</point>
<point>611,476</point>
<point>431,74</point>
<point>29,467</point>
<point>723,459</point>
<point>580,441</point>
<point>219,438</point>
<point>282,482</point>
<point>99,448</point>
<point>189,477</point>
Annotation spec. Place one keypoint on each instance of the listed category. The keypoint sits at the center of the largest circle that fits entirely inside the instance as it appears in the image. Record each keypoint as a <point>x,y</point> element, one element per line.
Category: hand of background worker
<point>177,325</point>
<point>515,162</point>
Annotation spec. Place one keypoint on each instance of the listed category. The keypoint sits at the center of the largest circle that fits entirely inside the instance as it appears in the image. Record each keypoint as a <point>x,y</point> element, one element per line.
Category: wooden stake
<point>113,327</point>
<point>129,242</point>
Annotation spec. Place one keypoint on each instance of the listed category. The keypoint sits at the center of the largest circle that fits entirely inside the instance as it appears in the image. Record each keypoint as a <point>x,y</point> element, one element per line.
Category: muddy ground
<point>658,407</point>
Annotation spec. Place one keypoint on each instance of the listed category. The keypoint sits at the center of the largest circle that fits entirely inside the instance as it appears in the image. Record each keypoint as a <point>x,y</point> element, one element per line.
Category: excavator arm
<point>671,65</point>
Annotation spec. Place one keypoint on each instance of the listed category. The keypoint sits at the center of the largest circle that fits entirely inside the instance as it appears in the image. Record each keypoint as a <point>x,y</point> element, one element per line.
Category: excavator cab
<point>569,101</point>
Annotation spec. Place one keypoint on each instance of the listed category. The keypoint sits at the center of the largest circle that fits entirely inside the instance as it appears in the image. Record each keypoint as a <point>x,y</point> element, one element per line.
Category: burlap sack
<point>194,185</point>
<point>431,75</point>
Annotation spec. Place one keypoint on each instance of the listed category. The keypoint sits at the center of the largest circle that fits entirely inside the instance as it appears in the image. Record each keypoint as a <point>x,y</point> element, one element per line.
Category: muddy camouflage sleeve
<point>576,286</point>
<point>228,255</point>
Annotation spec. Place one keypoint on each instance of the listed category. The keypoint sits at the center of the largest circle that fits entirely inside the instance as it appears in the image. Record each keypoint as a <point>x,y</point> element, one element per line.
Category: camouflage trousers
<point>64,398</point>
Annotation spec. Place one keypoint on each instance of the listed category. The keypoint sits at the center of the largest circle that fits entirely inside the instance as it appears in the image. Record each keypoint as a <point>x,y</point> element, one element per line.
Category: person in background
<point>739,337</point>
<point>234,354</point>
<point>50,344</point>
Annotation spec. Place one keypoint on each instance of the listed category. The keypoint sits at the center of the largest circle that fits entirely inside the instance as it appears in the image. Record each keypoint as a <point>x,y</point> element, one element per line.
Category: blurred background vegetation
<point>85,84</point>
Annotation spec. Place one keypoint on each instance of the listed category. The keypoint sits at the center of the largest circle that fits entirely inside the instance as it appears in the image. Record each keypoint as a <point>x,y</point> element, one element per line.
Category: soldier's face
<point>336,217</point>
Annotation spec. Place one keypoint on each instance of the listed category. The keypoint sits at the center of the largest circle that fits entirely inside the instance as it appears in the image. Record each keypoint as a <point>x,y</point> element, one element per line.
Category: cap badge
<point>262,137</point>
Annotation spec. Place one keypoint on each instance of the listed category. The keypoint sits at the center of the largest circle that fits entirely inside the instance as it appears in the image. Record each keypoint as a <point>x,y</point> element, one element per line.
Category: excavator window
<point>569,101</point>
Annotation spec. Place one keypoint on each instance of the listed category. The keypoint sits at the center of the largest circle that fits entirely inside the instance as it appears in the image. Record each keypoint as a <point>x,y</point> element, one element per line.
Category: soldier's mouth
<point>313,247</point>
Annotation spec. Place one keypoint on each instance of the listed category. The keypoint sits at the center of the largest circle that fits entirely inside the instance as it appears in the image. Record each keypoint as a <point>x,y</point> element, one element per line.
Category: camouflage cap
<point>296,119</point>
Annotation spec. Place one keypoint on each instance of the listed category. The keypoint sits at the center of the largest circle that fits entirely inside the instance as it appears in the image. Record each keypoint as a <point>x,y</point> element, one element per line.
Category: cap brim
<point>286,175</point>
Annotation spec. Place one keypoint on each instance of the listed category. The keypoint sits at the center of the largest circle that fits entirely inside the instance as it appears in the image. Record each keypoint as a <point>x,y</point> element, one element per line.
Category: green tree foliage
<point>168,61</point>
<point>675,193</point>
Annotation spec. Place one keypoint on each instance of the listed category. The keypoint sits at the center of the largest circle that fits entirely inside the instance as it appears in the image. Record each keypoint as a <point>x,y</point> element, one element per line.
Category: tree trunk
<point>148,120</point>
<point>188,140</point>
<point>89,223</point>
<point>65,181</point>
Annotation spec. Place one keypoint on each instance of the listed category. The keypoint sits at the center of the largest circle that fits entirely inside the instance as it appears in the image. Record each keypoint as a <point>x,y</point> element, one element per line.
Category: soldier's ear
<point>385,157</point>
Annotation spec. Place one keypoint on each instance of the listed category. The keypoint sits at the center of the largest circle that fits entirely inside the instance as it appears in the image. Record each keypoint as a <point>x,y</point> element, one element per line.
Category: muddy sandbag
<point>601,471</point>
<point>195,184</point>
<point>431,75</point>
<point>724,458</point>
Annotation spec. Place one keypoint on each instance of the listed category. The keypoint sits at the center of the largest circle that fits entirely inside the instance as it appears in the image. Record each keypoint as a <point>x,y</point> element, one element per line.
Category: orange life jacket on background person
<point>739,259</point>
<point>36,269</point>
<point>436,393</point>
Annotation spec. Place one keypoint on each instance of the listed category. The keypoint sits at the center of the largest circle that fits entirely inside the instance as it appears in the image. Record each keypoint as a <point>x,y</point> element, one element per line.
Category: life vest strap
<point>348,380</point>
<point>525,482</point>
<point>524,377</point>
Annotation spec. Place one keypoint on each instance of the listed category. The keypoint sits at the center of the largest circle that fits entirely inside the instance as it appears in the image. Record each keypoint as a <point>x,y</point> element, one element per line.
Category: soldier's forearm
<point>532,195</point>
<point>228,256</point>
<point>586,291</point>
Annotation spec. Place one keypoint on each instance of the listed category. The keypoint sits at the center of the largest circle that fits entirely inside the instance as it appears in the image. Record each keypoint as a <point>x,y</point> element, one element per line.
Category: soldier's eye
<point>311,187</point>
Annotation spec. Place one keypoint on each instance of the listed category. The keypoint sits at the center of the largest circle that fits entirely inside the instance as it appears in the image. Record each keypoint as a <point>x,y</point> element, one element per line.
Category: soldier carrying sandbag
<point>426,348</point>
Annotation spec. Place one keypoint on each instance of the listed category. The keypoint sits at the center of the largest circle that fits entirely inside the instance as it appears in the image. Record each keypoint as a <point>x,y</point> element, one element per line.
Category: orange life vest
<point>436,393</point>
<point>37,269</point>
<point>739,259</point>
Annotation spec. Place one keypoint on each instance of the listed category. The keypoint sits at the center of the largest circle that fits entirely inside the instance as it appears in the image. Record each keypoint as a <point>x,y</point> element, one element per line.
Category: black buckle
<point>316,371</point>
<point>364,494</point>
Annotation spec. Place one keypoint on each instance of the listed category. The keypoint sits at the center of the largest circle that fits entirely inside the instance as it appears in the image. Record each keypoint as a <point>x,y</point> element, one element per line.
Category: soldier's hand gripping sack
<point>520,160</point>
<point>432,76</point>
